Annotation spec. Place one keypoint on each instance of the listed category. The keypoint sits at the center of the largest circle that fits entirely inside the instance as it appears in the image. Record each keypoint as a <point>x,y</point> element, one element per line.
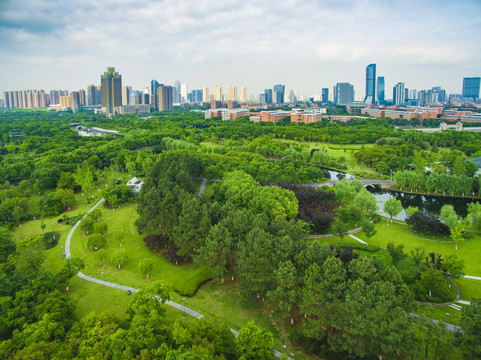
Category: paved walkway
<point>202,187</point>
<point>175,305</point>
<point>358,240</point>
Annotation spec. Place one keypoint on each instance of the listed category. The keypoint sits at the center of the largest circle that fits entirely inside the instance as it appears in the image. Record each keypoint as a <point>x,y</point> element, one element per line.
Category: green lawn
<point>469,250</point>
<point>122,220</point>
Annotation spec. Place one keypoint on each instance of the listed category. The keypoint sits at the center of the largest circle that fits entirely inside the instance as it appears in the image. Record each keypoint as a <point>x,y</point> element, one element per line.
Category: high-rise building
<point>111,87</point>
<point>205,94</point>
<point>81,98</point>
<point>91,95</point>
<point>292,97</point>
<point>262,98</point>
<point>243,95</point>
<point>218,93</point>
<point>232,93</point>
<point>370,84</point>
<point>380,89</point>
<point>278,94</point>
<point>176,91</point>
<point>268,96</point>
<point>471,87</point>
<point>325,95</point>
<point>398,94</point>
<point>126,91</point>
<point>164,97</point>
<point>154,84</point>
<point>183,92</point>
<point>343,93</point>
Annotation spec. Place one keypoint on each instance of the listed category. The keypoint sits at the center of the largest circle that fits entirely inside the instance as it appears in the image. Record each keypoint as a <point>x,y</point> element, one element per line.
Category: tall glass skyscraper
<point>370,84</point>
<point>471,87</point>
<point>380,89</point>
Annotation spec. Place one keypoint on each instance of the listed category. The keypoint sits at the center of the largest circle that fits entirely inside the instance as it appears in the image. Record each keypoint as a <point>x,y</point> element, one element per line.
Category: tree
<point>145,267</point>
<point>431,279</point>
<point>453,266</point>
<point>217,251</point>
<point>148,302</point>
<point>396,252</point>
<point>96,241</point>
<point>449,216</point>
<point>286,295</point>
<point>418,255</point>
<point>100,228</point>
<point>87,224</point>
<point>471,325</point>
<point>7,245</point>
<point>366,201</point>
<point>253,343</point>
<point>457,235</point>
<point>71,268</point>
<point>393,207</point>
<point>119,257</point>
<point>339,228</point>
<point>411,210</point>
<point>368,229</point>
<point>101,255</point>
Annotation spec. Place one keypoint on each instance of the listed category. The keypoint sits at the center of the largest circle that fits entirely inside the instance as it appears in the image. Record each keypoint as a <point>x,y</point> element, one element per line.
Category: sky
<point>305,44</point>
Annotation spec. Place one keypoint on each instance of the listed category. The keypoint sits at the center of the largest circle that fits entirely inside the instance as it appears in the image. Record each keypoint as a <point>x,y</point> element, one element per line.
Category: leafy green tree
<point>449,216</point>
<point>148,302</point>
<point>368,229</point>
<point>339,228</point>
<point>366,201</point>
<point>411,210</point>
<point>71,268</point>
<point>119,257</point>
<point>87,225</point>
<point>393,207</point>
<point>471,325</point>
<point>7,245</point>
<point>101,256</point>
<point>418,255</point>
<point>431,279</point>
<point>96,241</point>
<point>254,343</point>
<point>145,267</point>
<point>396,252</point>
<point>100,228</point>
<point>457,235</point>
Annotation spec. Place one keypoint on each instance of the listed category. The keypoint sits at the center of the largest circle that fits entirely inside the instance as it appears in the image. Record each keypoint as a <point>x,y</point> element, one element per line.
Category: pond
<point>429,203</point>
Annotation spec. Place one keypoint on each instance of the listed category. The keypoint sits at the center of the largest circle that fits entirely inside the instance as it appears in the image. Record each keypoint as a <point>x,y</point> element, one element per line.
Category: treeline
<point>439,183</point>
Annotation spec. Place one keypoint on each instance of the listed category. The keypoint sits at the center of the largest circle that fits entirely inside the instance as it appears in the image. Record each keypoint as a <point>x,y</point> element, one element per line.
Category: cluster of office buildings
<point>111,98</point>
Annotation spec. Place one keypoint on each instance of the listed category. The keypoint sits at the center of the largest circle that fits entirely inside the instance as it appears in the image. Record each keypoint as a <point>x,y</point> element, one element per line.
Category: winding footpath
<point>175,305</point>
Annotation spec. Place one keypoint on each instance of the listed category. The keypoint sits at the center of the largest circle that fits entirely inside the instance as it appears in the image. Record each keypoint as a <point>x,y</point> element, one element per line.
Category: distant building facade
<point>343,93</point>
<point>370,84</point>
<point>471,87</point>
<point>111,87</point>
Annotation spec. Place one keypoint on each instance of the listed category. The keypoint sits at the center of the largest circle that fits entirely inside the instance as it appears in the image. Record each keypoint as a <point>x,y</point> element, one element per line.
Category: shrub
<point>189,284</point>
<point>424,222</point>
<point>408,269</point>
<point>383,260</point>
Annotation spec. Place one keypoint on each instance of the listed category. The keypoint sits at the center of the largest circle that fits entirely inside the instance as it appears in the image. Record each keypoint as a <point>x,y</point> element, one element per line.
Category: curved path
<point>180,307</point>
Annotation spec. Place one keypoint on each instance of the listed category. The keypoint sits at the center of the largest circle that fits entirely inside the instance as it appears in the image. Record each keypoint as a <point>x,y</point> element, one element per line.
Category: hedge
<point>189,284</point>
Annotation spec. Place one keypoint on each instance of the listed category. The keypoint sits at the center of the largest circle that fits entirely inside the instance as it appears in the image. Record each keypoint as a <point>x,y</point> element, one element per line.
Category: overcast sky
<point>306,45</point>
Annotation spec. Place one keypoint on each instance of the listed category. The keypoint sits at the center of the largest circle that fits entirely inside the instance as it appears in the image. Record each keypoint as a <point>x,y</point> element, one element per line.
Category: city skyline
<point>307,47</point>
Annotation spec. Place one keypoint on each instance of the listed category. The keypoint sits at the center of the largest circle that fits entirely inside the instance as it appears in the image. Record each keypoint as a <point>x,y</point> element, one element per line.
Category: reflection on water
<point>432,204</point>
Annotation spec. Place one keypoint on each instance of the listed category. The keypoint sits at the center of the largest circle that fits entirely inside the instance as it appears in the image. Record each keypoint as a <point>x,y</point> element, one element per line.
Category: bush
<point>188,285</point>
<point>50,239</point>
<point>383,260</point>
<point>408,269</point>
<point>424,222</point>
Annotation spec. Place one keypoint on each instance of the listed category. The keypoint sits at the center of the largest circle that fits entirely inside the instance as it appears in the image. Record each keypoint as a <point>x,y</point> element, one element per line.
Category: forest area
<point>256,228</point>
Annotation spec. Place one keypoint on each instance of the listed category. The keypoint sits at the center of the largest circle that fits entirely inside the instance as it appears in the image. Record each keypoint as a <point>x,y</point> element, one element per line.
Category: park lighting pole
<point>447,321</point>
<point>63,254</point>
<point>284,347</point>
<point>184,304</point>
<point>102,273</point>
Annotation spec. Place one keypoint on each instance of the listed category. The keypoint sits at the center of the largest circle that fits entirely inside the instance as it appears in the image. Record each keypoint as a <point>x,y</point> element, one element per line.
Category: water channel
<point>429,203</point>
